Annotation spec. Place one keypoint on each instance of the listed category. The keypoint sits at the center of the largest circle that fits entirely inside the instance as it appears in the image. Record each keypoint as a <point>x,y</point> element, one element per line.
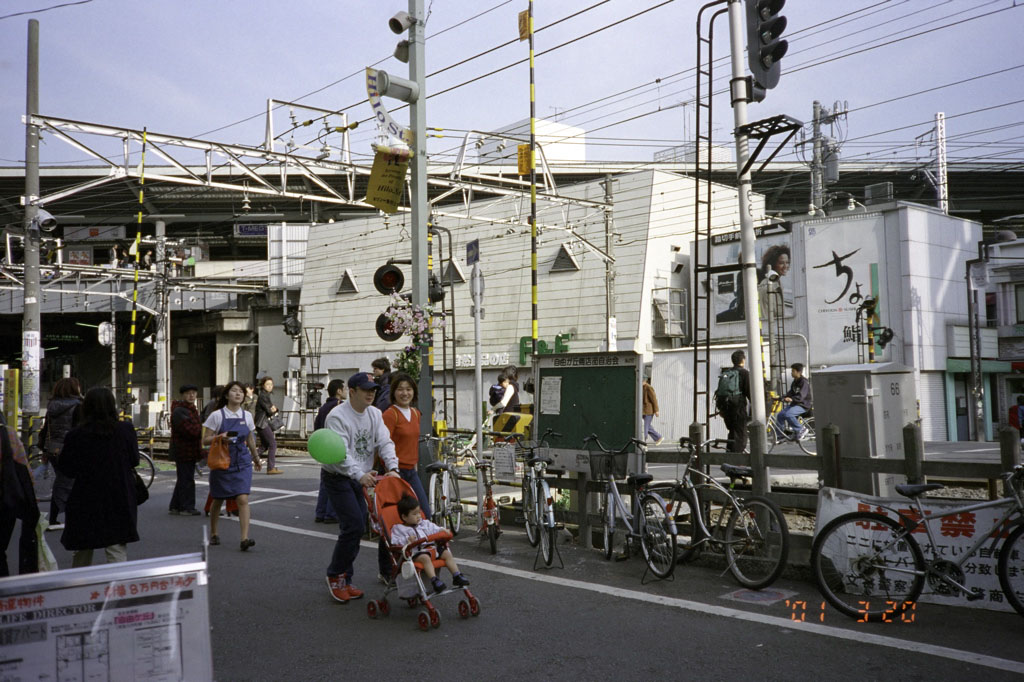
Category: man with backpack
<point>731,398</point>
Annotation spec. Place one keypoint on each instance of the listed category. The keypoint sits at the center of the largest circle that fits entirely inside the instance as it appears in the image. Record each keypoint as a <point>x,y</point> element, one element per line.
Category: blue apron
<point>237,478</point>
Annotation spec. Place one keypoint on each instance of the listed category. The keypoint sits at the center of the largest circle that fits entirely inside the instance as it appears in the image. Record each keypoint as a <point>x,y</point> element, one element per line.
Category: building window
<point>1018,291</point>
<point>347,284</point>
<point>565,261</point>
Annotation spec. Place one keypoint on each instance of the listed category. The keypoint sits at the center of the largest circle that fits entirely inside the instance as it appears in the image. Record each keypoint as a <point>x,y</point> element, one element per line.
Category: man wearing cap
<point>186,449</point>
<point>362,428</point>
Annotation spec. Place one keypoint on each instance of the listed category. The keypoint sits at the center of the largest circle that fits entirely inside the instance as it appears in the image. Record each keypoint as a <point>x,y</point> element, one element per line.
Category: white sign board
<point>137,620</point>
<point>954,535</point>
<point>504,460</point>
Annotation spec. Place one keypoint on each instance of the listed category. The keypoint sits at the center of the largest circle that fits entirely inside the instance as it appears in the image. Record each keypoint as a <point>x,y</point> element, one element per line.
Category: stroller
<point>405,578</point>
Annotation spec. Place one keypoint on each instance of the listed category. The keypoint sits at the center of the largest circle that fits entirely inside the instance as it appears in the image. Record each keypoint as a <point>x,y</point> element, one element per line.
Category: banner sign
<point>138,620</point>
<point>772,251</point>
<point>387,177</point>
<point>954,535</point>
<point>386,124</point>
<point>844,265</point>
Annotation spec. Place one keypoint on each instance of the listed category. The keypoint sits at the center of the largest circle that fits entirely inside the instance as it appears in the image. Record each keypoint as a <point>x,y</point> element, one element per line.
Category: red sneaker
<point>339,590</point>
<point>354,592</point>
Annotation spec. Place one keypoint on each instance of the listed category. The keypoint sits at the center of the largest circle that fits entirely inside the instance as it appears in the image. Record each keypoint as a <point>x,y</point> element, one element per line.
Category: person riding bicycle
<point>798,402</point>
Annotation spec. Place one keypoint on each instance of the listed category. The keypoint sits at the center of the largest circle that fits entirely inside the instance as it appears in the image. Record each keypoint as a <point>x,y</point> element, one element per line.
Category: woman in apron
<point>234,482</point>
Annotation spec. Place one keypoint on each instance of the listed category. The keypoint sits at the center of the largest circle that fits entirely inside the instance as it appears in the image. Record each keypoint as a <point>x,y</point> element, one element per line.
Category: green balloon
<point>326,446</point>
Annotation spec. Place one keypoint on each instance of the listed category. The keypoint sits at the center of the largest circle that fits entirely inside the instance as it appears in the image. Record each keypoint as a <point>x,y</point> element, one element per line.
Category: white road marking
<point>856,636</point>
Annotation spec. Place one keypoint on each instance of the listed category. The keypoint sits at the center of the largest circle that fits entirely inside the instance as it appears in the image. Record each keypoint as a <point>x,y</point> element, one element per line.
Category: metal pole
<point>609,270</point>
<point>533,196</point>
<point>977,416</point>
<point>162,344</point>
<point>817,181</point>
<point>31,337</point>
<point>477,292</point>
<point>113,345</point>
<point>418,184</point>
<point>740,96</point>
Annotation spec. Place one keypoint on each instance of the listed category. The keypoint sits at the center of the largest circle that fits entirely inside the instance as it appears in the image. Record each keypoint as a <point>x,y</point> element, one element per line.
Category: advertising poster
<point>844,265</point>
<point>773,253</point>
<point>138,620</point>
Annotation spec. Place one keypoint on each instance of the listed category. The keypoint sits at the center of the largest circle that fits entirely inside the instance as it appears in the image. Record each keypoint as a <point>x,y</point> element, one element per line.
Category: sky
<point>205,68</point>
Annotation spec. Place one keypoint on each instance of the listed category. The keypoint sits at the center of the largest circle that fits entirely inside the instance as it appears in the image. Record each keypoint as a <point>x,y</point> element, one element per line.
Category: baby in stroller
<point>414,527</point>
<point>416,548</point>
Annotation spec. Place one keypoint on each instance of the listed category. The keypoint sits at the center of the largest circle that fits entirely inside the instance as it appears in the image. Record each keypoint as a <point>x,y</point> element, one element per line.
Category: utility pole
<point>609,270</point>
<point>820,146</point>
<point>163,326</point>
<point>31,337</point>
<point>418,184</point>
<point>740,87</point>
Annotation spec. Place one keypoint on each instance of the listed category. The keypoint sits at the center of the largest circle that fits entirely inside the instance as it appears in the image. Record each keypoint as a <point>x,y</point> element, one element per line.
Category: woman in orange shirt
<point>403,421</point>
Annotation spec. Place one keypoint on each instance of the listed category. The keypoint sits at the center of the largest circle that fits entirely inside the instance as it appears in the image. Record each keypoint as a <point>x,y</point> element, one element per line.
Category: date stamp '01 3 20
<point>800,611</point>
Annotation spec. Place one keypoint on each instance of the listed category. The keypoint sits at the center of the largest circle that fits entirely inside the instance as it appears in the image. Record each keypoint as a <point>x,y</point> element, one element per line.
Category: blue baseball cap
<point>363,380</point>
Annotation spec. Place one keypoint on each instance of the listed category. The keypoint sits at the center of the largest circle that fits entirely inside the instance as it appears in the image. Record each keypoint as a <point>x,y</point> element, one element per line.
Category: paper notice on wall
<point>550,395</point>
<point>387,178</point>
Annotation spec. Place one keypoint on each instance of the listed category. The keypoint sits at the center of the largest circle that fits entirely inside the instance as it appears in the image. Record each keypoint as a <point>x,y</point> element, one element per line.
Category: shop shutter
<point>933,406</point>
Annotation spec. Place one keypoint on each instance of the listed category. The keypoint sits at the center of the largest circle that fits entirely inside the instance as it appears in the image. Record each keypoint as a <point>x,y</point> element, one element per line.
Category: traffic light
<point>764,47</point>
<point>388,279</point>
<point>292,326</point>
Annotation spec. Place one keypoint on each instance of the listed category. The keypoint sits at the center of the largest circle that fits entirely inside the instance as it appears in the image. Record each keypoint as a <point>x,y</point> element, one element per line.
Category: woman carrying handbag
<point>231,423</point>
<point>266,415</point>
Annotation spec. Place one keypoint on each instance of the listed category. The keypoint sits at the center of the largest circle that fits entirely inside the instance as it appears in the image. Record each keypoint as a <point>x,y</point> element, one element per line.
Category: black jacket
<point>62,414</point>
<point>800,393</point>
<point>382,400</point>
<point>101,509</point>
<point>325,409</point>
<point>261,415</point>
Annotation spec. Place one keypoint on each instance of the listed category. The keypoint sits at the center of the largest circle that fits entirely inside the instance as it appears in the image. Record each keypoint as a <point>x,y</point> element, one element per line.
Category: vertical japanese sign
<point>32,353</point>
<point>844,265</point>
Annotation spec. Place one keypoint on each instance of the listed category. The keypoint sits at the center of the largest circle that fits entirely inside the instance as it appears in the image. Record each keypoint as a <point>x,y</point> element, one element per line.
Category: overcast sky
<point>205,68</point>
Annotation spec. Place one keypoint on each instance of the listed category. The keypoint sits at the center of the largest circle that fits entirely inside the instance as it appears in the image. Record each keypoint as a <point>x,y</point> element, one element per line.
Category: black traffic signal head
<point>765,48</point>
<point>388,279</point>
<point>385,330</point>
<point>435,292</point>
<point>292,326</point>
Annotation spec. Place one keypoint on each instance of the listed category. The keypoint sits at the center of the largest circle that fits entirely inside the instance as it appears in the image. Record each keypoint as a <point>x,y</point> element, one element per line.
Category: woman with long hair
<point>100,454</point>
<point>63,412</point>
<point>235,482</point>
<point>265,409</point>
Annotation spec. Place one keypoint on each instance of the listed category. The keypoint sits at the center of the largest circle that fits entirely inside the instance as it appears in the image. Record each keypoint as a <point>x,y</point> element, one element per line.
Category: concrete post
<point>761,485</point>
<point>31,339</point>
<point>829,456</point>
<point>913,449</point>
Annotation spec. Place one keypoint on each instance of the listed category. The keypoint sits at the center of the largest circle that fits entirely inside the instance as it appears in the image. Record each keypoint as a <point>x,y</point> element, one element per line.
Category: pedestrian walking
<point>731,401</point>
<point>650,412</point>
<point>211,404</point>
<point>186,450</point>
<point>265,409</point>
<point>235,482</point>
<point>25,508</point>
<point>100,454</point>
<point>63,413</point>
<point>250,400</point>
<point>362,428</point>
<point>335,396</point>
<point>382,375</point>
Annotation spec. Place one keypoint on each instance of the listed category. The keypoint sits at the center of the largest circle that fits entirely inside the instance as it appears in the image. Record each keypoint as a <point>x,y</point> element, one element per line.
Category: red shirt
<point>405,433</point>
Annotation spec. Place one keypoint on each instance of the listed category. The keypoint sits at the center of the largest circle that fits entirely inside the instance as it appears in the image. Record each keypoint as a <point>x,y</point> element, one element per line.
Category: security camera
<point>400,22</point>
<point>45,221</point>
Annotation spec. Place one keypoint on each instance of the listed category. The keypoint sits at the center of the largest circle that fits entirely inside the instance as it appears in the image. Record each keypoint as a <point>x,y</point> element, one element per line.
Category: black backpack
<point>497,392</point>
<point>728,385</point>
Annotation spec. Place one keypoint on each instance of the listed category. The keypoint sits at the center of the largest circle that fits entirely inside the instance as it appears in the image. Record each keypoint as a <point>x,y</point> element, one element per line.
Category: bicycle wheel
<point>809,443</point>
<point>608,516</point>
<point>43,476</point>
<point>492,537</point>
<point>547,544</point>
<point>1011,569</point>
<point>756,542</point>
<point>146,469</point>
<point>453,503</point>
<point>684,510</point>
<point>435,492</point>
<point>772,433</point>
<point>658,537</point>
<point>530,512</point>
<point>867,566</point>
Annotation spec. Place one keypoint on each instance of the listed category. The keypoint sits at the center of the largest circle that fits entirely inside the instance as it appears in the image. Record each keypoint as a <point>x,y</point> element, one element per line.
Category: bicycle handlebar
<point>632,441</point>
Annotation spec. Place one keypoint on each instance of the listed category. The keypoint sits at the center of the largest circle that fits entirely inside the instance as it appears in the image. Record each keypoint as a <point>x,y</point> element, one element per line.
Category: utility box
<point>870,404</point>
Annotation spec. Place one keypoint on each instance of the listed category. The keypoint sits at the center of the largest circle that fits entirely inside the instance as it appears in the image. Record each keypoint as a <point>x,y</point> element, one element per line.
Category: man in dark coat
<point>734,409</point>
<point>186,449</point>
<point>382,377</point>
<point>335,396</point>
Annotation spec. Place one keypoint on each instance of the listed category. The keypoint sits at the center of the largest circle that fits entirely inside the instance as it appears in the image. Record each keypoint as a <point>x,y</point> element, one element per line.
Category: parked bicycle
<point>443,485</point>
<point>146,467</point>
<point>538,505</point>
<point>647,523</point>
<point>869,565</point>
<point>750,530</point>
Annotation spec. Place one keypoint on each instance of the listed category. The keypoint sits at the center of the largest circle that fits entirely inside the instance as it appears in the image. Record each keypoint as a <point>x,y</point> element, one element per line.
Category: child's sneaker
<point>439,586</point>
<point>459,580</point>
<point>336,584</point>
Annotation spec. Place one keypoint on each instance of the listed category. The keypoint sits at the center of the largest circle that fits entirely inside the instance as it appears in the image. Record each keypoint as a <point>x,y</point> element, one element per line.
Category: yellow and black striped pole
<point>533,191</point>
<point>135,285</point>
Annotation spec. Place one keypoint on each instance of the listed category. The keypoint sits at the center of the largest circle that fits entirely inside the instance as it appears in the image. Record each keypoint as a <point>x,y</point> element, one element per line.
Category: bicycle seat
<point>912,490</point>
<point>639,479</point>
<point>736,471</point>
<point>534,460</point>
<point>437,466</point>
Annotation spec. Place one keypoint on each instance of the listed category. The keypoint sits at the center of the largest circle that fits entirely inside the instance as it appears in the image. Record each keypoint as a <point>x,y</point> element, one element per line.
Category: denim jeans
<point>648,429</point>
<point>347,498</point>
<point>412,477</point>
<point>787,418</point>
<point>324,508</point>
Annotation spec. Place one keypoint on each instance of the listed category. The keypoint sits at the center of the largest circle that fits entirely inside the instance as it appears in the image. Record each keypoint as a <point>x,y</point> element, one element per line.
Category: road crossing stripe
<point>856,636</point>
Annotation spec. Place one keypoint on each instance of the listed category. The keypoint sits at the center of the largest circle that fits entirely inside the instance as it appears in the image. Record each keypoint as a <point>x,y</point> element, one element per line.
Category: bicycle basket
<point>606,465</point>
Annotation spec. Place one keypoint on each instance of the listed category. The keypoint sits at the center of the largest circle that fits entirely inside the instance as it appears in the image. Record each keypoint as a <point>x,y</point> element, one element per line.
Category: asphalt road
<point>273,619</point>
